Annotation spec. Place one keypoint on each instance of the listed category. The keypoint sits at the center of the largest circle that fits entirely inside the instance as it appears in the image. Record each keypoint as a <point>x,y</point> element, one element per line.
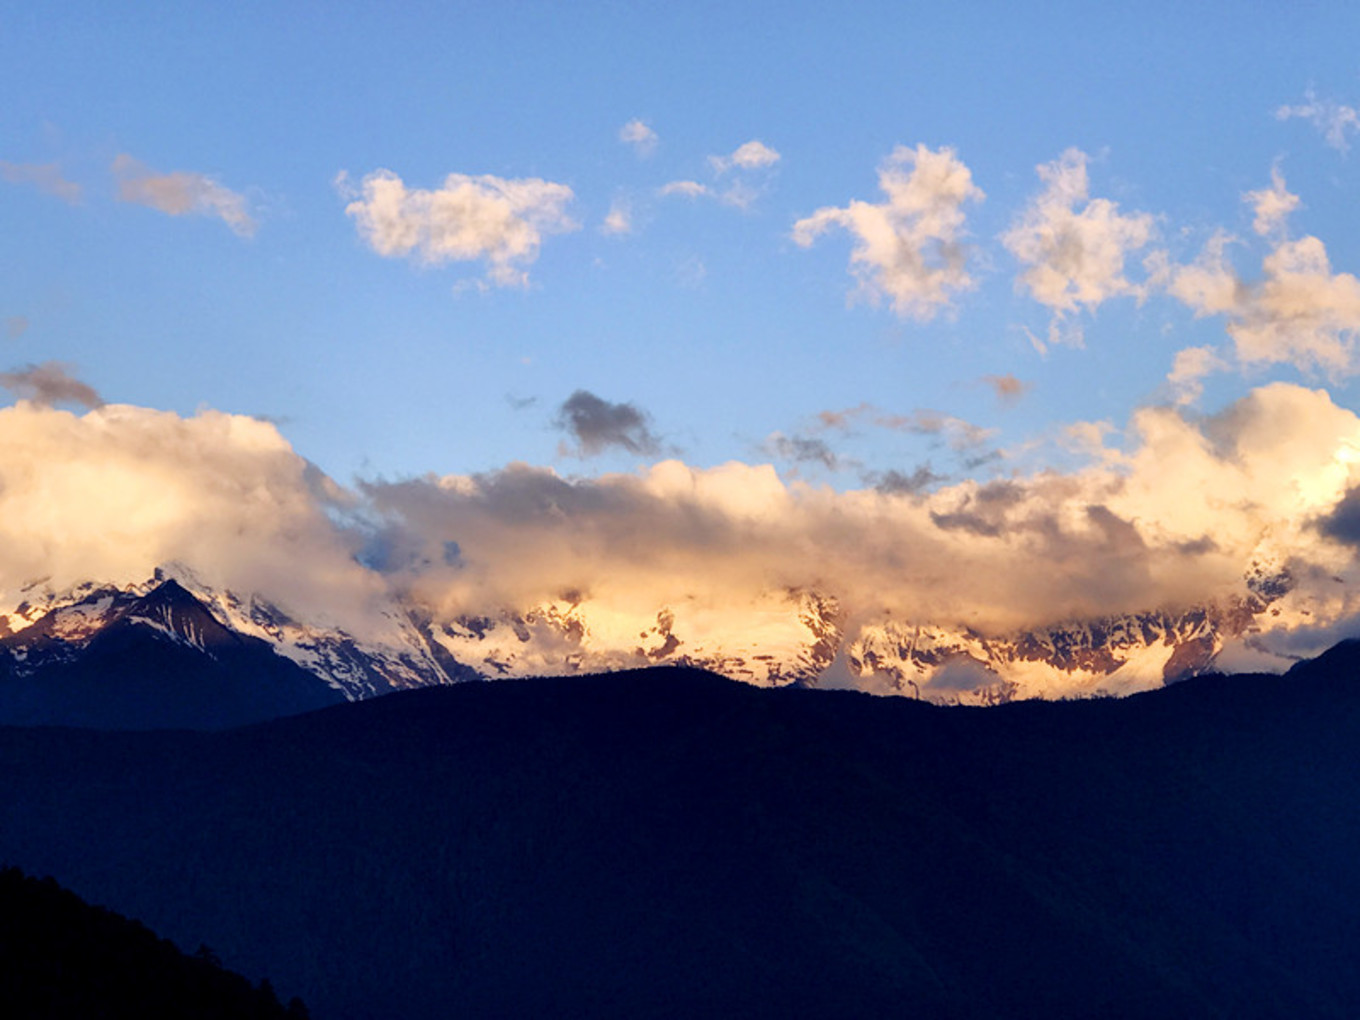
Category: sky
<point>911,286</point>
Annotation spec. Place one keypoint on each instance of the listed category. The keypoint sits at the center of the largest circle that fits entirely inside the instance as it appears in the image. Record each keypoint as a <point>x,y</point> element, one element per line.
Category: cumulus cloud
<point>50,383</point>
<point>496,220</point>
<point>753,155</point>
<point>46,177</point>
<point>1299,312</point>
<point>597,425</point>
<point>114,493</point>
<point>182,193</point>
<point>1333,119</point>
<point>641,137</point>
<point>909,248</point>
<point>1073,247</point>
<point>1175,520</point>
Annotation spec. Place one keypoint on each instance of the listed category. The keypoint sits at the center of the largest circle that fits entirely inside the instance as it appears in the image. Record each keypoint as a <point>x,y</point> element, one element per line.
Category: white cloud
<point>753,155</point>
<point>182,193</point>
<point>1333,119</point>
<point>909,248</point>
<point>1188,370</point>
<point>1074,247</point>
<point>1272,205</point>
<point>1299,312</point>
<point>641,137</point>
<point>45,177</point>
<point>687,189</point>
<point>493,219</point>
<point>620,218</point>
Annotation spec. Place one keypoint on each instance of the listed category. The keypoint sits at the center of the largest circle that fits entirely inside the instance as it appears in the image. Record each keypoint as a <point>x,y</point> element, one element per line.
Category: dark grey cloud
<point>898,482</point>
<point>50,383</point>
<point>1343,523</point>
<point>803,450</point>
<point>598,424</point>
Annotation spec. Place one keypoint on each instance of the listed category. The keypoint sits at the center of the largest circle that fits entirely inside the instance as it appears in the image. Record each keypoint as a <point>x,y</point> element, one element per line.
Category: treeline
<point>61,957</point>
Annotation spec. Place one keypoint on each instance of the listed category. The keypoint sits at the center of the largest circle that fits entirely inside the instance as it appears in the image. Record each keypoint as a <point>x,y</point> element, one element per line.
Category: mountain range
<point>172,650</point>
<point>668,843</point>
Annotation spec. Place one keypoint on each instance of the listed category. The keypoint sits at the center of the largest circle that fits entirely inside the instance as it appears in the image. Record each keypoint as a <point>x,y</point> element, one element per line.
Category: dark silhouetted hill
<point>61,958</point>
<point>670,844</point>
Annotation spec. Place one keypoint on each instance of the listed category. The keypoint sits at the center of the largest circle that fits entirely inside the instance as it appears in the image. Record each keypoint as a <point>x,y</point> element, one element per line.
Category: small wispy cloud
<point>640,136</point>
<point>182,193</point>
<point>752,155</point>
<point>1333,119</point>
<point>15,326</point>
<point>46,177</point>
<point>1008,388</point>
<point>50,383</point>
<point>619,220</point>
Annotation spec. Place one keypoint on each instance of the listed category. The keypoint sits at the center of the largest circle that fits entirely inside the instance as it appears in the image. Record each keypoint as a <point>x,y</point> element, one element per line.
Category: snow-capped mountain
<point>794,637</point>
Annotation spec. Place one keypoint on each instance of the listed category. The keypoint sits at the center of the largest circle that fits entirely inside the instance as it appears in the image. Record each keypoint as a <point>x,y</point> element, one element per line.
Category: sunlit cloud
<point>641,137</point>
<point>495,220</point>
<point>1073,248</point>
<point>753,155</point>
<point>50,383</point>
<point>1272,205</point>
<point>1333,119</point>
<point>46,177</point>
<point>1188,370</point>
<point>909,248</point>
<point>686,189</point>
<point>182,193</point>
<point>1299,312</point>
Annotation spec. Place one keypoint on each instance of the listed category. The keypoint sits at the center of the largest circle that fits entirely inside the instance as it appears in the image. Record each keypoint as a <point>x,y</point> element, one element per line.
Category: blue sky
<point>688,326</point>
<point>706,317</point>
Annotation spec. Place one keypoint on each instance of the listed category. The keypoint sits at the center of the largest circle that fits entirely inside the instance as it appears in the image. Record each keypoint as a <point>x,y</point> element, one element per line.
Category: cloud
<point>181,193</point>
<point>1330,117</point>
<point>1184,516</point>
<point>1190,367</point>
<point>1272,205</point>
<point>15,326</point>
<point>961,435</point>
<point>619,221</point>
<point>50,383</point>
<point>909,248</point>
<point>1072,247</point>
<point>496,220</point>
<point>112,494</point>
<point>596,425</point>
<point>590,572</point>
<point>1008,388</point>
<point>753,155</point>
<point>45,177</point>
<point>802,450</point>
<point>641,137</point>
<point>1299,312</point>
<point>687,189</point>
<point>895,482</point>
